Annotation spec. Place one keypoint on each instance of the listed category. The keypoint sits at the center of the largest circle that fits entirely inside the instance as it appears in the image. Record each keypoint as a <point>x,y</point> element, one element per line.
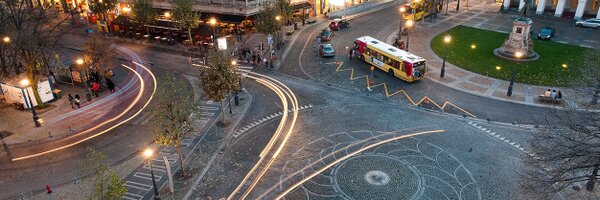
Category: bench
<point>543,98</point>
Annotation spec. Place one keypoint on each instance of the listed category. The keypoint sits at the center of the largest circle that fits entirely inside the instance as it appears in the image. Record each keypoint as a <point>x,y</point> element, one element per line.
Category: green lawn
<point>548,70</point>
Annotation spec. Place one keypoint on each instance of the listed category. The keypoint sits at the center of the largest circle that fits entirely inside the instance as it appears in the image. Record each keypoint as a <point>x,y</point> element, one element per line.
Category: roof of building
<point>390,50</point>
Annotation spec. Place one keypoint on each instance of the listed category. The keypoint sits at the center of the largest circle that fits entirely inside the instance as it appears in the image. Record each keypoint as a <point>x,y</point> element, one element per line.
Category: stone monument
<point>519,40</point>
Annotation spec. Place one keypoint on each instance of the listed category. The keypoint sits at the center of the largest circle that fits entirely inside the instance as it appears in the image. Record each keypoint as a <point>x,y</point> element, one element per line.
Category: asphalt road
<point>303,62</point>
<point>490,165</point>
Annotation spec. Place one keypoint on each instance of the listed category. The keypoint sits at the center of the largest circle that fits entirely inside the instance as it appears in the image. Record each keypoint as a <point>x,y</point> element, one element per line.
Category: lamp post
<point>148,153</point>
<point>414,5</point>
<point>88,94</point>
<point>409,24</point>
<point>212,23</point>
<point>402,10</point>
<point>447,39</point>
<point>25,83</point>
<point>280,35</point>
<point>518,56</point>
<point>6,39</point>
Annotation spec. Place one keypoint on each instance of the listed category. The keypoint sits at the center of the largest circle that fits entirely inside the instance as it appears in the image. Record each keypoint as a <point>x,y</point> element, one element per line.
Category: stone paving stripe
<point>132,196</point>
<point>208,108</point>
<point>207,113</point>
<point>146,176</point>
<point>137,185</point>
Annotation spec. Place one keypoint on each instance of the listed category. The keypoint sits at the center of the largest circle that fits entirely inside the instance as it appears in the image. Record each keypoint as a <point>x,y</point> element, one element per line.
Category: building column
<point>506,4</point>
<point>521,4</point>
<point>580,9</point>
<point>560,7</point>
<point>540,7</point>
<point>598,15</point>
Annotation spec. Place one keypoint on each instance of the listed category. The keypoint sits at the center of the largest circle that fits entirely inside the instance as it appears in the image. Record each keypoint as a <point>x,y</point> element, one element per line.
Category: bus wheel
<point>391,72</point>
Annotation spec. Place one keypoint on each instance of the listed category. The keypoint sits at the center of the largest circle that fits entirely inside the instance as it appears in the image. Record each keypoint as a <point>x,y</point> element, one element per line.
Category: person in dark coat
<point>110,85</point>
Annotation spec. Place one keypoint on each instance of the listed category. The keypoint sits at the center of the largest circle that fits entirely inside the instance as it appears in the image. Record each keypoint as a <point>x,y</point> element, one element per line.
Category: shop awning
<point>235,19</point>
<point>301,5</point>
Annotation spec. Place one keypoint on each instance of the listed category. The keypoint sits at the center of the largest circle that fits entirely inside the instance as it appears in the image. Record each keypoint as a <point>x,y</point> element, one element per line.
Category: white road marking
<point>146,176</point>
<point>137,185</point>
<point>132,196</point>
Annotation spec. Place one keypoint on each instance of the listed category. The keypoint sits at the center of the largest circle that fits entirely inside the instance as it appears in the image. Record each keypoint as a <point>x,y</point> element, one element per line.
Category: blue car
<point>546,33</point>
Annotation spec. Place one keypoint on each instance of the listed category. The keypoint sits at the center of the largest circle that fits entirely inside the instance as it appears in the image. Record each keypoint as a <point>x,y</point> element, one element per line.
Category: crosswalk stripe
<point>208,108</point>
<point>207,113</point>
<point>146,176</point>
<point>137,185</point>
<point>131,196</point>
<point>156,168</point>
<point>246,67</point>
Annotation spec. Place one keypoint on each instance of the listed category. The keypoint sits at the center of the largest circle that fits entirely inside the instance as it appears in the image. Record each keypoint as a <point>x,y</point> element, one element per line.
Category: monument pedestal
<point>519,40</point>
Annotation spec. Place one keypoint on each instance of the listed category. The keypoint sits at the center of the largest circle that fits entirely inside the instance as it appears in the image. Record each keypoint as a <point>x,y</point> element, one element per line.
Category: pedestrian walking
<point>77,101</point>
<point>253,58</point>
<point>95,88</point>
<point>258,59</point>
<point>110,85</point>
<point>71,101</point>
<point>266,62</point>
<point>248,57</point>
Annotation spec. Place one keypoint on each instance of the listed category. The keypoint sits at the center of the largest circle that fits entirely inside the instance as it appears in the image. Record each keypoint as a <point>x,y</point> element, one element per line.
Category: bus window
<point>396,65</point>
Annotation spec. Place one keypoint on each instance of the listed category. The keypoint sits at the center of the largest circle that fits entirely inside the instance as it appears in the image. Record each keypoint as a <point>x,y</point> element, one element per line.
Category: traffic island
<point>473,49</point>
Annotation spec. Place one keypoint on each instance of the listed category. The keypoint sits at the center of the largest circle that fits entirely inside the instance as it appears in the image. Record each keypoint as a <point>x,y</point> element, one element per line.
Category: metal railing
<point>358,8</point>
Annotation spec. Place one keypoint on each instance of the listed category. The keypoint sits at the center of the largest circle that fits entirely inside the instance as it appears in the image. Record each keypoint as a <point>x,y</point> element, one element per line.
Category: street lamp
<point>88,94</point>
<point>36,121</point>
<point>402,11</point>
<point>280,38</point>
<point>6,39</point>
<point>447,39</point>
<point>148,153</point>
<point>212,23</point>
<point>167,15</point>
<point>409,24</point>
<point>518,56</point>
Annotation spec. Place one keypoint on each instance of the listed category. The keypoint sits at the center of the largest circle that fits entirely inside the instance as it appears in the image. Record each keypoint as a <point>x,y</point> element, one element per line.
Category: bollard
<point>49,134</point>
<point>236,99</point>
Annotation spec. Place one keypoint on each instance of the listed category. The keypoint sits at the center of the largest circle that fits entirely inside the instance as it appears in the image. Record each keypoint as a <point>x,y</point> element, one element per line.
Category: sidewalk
<point>473,83</point>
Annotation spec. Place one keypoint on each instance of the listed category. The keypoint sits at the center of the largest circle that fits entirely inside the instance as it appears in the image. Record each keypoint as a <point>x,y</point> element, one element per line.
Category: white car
<point>591,23</point>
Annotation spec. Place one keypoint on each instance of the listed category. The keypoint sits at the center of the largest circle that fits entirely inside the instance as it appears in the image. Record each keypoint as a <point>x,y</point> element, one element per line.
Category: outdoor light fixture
<point>127,9</point>
<point>148,153</point>
<point>233,62</point>
<point>6,39</point>
<point>212,21</point>
<point>402,9</point>
<point>564,65</point>
<point>498,67</point>
<point>36,119</point>
<point>277,17</point>
<point>79,61</point>
<point>473,46</point>
<point>24,82</point>
<point>409,23</point>
<point>447,40</point>
<point>167,14</point>
<point>518,54</point>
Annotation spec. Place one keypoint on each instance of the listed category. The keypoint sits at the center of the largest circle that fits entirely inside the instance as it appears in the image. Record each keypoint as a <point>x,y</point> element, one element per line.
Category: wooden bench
<point>543,98</point>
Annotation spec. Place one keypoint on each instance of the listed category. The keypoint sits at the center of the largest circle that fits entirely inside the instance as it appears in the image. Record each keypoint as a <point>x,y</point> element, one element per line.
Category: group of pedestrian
<point>553,94</point>
<point>75,101</point>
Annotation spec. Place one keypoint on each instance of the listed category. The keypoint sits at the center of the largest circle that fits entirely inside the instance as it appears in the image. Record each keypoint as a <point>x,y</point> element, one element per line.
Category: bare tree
<point>98,54</point>
<point>588,81</point>
<point>566,154</point>
<point>219,77</point>
<point>34,33</point>
<point>174,115</point>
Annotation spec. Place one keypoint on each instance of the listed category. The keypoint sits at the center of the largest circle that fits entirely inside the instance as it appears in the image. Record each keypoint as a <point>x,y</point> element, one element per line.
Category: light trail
<point>317,172</point>
<point>294,101</point>
<point>137,98</point>
<point>275,135</point>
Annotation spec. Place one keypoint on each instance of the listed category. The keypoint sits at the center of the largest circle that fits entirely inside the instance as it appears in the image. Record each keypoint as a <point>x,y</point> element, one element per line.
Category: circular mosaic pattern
<point>409,168</point>
<point>376,176</point>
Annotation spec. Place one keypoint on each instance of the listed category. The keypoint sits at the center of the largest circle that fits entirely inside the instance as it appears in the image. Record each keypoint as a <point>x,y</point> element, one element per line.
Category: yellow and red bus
<point>415,8</point>
<point>394,61</point>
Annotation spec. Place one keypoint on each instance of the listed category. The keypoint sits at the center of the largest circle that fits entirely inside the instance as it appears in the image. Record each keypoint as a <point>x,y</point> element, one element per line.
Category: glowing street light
<point>473,46</point>
<point>402,11</point>
<point>167,14</point>
<point>79,61</point>
<point>498,68</point>
<point>447,40</point>
<point>564,66</point>
<point>36,119</point>
<point>148,153</point>
<point>409,24</point>
<point>6,39</point>
<point>233,62</point>
<point>212,23</point>
<point>518,56</point>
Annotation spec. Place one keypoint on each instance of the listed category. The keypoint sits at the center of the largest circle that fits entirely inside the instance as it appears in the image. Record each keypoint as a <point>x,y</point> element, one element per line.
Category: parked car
<point>326,35</point>
<point>590,23</point>
<point>338,24</point>
<point>326,50</point>
<point>546,33</point>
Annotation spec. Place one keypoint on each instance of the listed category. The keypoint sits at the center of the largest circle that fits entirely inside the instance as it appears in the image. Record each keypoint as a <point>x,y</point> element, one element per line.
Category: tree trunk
<point>593,178</point>
<point>222,113</point>
<point>190,36</point>
<point>181,160</point>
